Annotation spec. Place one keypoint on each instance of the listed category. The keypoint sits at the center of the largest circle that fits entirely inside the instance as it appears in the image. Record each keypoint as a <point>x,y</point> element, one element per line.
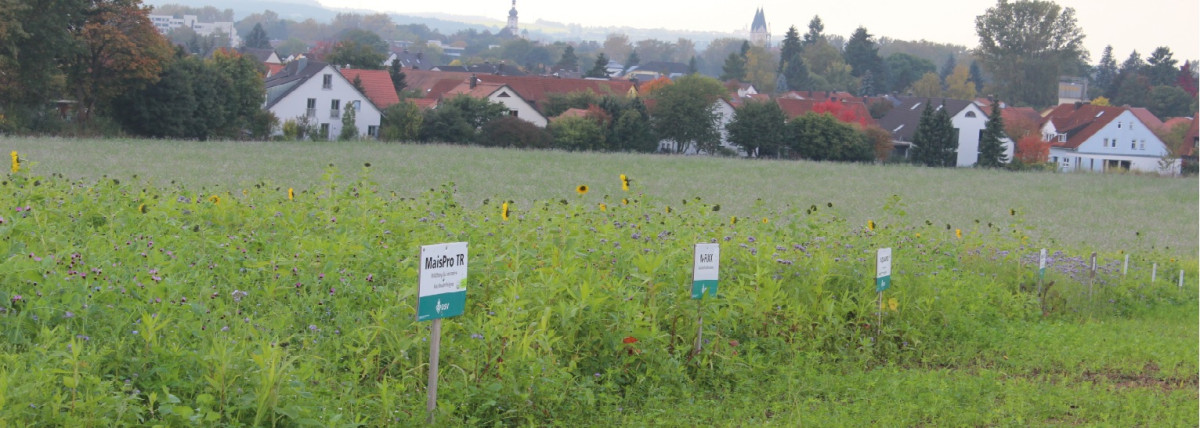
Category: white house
<point>319,94</point>
<point>724,111</point>
<point>1086,137</point>
<point>499,93</point>
<point>967,118</point>
<point>166,23</point>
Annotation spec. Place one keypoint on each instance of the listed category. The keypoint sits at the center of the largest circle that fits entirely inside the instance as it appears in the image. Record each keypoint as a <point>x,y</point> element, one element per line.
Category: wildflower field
<point>138,301</point>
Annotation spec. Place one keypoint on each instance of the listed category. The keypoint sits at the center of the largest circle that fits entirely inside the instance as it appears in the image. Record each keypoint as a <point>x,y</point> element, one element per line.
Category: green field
<point>1102,211</point>
<point>177,283</point>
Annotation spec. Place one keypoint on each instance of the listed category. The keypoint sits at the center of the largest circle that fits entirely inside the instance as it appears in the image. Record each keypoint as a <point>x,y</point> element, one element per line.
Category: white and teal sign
<point>1042,264</point>
<point>705,267</point>
<point>442,272</point>
<point>883,269</point>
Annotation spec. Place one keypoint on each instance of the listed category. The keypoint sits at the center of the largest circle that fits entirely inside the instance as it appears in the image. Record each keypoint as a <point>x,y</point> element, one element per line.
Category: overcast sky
<point>1126,25</point>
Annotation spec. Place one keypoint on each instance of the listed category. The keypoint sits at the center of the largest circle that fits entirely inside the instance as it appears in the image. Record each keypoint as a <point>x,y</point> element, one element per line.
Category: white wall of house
<point>724,112</point>
<point>1124,143</point>
<point>296,105</point>
<point>517,106</point>
<point>970,123</point>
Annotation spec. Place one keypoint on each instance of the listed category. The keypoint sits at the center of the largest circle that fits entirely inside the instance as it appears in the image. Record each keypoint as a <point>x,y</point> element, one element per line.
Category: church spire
<point>512,20</point>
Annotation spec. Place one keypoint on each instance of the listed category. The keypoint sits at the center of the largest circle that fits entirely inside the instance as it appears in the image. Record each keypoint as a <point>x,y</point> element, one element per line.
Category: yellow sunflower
<point>504,211</point>
<point>582,189</point>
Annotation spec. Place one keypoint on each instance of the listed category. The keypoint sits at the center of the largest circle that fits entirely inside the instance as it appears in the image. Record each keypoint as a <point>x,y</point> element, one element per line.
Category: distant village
<point>314,86</point>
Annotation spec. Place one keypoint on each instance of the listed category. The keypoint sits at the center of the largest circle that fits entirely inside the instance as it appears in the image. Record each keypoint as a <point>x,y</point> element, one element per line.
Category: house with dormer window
<point>317,93</point>
<point>1085,137</point>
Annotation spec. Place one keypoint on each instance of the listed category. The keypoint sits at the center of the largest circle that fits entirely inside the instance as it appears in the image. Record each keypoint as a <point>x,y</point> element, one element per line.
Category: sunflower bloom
<point>732,220</point>
<point>764,220</point>
<point>142,208</point>
<point>504,211</point>
<point>893,304</point>
<point>215,199</point>
<point>624,183</point>
<point>871,225</point>
<point>16,162</point>
<point>624,201</point>
<point>582,189</point>
<point>958,233</point>
<point>668,209</point>
<point>291,194</point>
<point>603,207</point>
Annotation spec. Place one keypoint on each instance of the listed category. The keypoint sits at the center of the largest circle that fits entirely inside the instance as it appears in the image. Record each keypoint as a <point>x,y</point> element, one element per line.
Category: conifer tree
<point>935,142</point>
<point>991,149</point>
<point>790,48</point>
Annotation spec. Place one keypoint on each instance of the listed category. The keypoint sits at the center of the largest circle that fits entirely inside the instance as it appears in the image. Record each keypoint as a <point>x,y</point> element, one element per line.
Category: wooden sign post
<point>706,266</point>
<point>1125,268</point>
<point>443,268</point>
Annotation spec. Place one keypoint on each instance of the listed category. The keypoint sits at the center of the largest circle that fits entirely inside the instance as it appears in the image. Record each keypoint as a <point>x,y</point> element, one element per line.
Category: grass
<point>1102,211</point>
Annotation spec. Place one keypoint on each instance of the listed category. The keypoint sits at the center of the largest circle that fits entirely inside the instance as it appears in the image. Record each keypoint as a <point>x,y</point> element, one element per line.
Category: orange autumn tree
<point>120,51</point>
<point>649,88</point>
<point>1031,149</point>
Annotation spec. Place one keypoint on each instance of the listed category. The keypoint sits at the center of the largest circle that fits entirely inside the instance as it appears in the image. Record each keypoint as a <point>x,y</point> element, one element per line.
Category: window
<point>373,130</point>
<point>324,131</point>
<point>357,105</point>
<point>1142,146</point>
<point>312,107</point>
<point>1132,145</point>
<point>512,113</point>
<point>1118,125</point>
<point>1062,138</point>
<point>503,95</point>
<point>970,114</point>
<point>328,82</point>
<point>335,108</point>
<point>1105,142</point>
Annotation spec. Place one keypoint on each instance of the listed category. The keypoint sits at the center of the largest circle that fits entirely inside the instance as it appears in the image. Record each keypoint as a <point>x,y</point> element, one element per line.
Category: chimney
<point>473,80</point>
<point>1078,104</point>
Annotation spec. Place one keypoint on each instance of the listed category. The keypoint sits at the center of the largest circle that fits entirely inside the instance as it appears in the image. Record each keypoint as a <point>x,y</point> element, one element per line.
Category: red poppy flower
<point>630,339</point>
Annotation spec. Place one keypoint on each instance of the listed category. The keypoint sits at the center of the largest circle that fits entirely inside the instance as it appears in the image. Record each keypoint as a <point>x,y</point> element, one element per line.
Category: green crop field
<point>181,283</point>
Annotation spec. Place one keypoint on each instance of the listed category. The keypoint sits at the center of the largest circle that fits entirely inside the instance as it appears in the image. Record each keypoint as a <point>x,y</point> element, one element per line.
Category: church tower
<point>759,33</point>
<point>512,20</point>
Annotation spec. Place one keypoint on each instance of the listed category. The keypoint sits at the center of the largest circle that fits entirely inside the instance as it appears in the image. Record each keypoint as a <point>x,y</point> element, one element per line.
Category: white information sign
<point>442,271</point>
<point>706,266</point>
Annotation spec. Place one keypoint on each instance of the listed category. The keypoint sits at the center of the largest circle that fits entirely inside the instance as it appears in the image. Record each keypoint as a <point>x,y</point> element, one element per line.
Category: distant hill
<point>300,10</point>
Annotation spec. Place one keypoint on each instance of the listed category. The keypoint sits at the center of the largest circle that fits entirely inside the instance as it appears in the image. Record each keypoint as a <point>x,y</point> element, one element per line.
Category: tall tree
<point>692,68</point>
<point>1105,72</point>
<point>759,128</point>
<point>684,113</point>
<point>398,77</point>
<point>796,74</point>
<point>862,54</point>
<point>120,51</point>
<point>790,47</point>
<point>935,141</point>
<point>1027,45</point>
<point>948,67</point>
<point>734,68</point>
<point>760,67</point>
<point>816,31</point>
<point>568,61</point>
<point>904,69</point>
<point>1130,70</point>
<point>632,60</point>
<point>991,148</point>
<point>975,76</point>
<point>821,137</point>
<point>617,46</point>
<point>1161,68</point>
<point>929,86</point>
<point>958,85</point>
<point>599,68</point>
<point>258,38</point>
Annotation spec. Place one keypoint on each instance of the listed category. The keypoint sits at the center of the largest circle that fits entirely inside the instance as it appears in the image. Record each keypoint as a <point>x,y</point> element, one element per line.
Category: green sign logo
<point>883,269</point>
<point>706,265</point>
<point>443,270</point>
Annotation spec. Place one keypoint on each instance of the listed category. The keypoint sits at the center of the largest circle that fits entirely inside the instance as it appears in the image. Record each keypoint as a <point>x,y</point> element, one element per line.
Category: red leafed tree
<point>1031,149</point>
<point>120,50</point>
<point>649,88</point>
<point>1187,80</point>
<point>840,111</point>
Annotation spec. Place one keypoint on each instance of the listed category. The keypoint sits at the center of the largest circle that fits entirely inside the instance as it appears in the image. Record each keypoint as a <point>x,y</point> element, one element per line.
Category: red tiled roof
<point>273,68</point>
<point>423,103</point>
<point>376,85</point>
<point>1012,114</point>
<point>794,108</point>
<point>481,89</point>
<point>572,112</point>
<point>1147,118</point>
<point>1080,122</point>
<point>424,80</point>
<point>536,90</point>
<point>819,95</point>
